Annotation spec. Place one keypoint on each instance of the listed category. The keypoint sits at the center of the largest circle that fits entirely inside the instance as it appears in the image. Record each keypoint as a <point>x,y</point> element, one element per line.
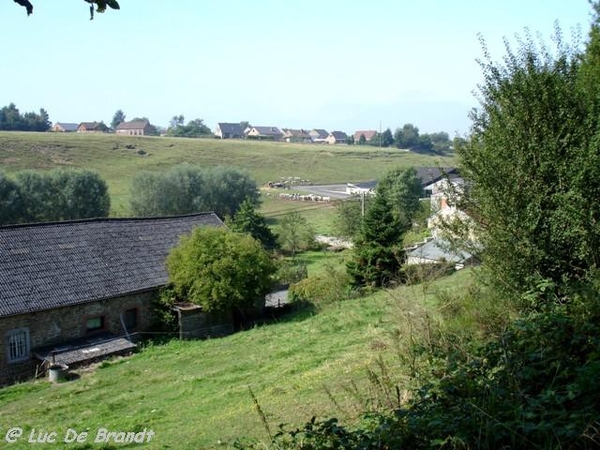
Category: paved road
<point>325,190</point>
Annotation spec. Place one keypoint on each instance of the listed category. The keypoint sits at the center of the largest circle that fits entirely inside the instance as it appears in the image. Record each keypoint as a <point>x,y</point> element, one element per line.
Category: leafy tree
<point>12,120</point>
<point>387,139</point>
<point>362,140</point>
<point>41,196</point>
<point>533,160</point>
<point>403,189</point>
<point>247,220</point>
<point>407,136</point>
<point>244,124</point>
<point>62,195</point>
<point>350,140</point>
<point>83,194</point>
<point>219,269</point>
<point>186,189</point>
<point>11,202</point>
<point>194,128</point>
<point>100,5</point>
<point>348,217</point>
<point>295,233</point>
<point>378,252</point>
<point>425,143</point>
<point>118,118</point>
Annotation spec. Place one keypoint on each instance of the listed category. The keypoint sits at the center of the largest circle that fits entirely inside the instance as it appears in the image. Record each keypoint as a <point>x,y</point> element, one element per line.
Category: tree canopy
<point>219,269</point>
<point>11,119</point>
<point>186,189</point>
<point>533,163</point>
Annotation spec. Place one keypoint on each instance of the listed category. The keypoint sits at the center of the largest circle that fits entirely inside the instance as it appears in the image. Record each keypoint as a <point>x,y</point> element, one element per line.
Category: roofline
<point>140,291</point>
<point>106,219</point>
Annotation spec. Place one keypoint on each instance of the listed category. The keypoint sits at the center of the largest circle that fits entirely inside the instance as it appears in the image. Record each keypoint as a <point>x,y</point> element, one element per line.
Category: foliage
<point>219,269</point>
<point>119,117</point>
<point>295,234</point>
<point>378,252</point>
<point>362,140</point>
<point>290,271</point>
<point>61,195</point>
<point>403,191</point>
<point>186,189</point>
<point>100,5</point>
<point>533,161</point>
<point>247,220</point>
<point>348,216</point>
<point>11,202</point>
<point>387,139</point>
<point>12,120</point>
<point>194,128</point>
<point>330,286</point>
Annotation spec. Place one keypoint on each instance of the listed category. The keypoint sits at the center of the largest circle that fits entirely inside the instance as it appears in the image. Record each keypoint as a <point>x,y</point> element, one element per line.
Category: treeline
<point>187,189</point>
<point>12,120</point>
<point>33,196</point>
<point>408,137</point>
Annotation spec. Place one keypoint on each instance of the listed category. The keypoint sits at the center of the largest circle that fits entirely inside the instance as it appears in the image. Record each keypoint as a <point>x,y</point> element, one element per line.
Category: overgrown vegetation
<point>56,195</point>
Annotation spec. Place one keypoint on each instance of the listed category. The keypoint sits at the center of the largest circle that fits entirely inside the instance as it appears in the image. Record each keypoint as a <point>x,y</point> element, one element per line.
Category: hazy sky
<point>339,65</point>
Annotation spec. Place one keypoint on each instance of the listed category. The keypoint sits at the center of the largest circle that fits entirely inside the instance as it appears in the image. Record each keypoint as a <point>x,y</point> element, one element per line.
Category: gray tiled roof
<point>269,131</point>
<point>67,126</point>
<point>133,125</point>
<point>45,266</point>
<point>439,250</point>
<point>231,128</point>
<point>339,135</point>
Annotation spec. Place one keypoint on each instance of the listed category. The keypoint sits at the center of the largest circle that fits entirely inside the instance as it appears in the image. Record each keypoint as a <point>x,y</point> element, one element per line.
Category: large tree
<point>247,220</point>
<point>294,233</point>
<point>403,189</point>
<point>533,165</point>
<point>220,270</point>
<point>186,189</point>
<point>378,253</point>
<point>11,202</point>
<point>118,118</point>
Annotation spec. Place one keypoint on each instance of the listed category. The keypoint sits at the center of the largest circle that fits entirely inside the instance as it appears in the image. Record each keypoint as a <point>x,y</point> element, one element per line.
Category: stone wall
<point>63,324</point>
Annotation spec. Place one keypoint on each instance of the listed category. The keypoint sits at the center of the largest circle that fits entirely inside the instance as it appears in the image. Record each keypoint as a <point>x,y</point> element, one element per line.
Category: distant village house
<point>337,137</point>
<point>229,130</point>
<point>266,133</point>
<point>134,128</point>
<point>92,127</point>
<point>62,127</point>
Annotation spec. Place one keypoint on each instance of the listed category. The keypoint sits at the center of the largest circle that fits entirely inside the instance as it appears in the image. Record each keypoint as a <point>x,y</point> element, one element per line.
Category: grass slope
<point>264,161</point>
<point>195,394</point>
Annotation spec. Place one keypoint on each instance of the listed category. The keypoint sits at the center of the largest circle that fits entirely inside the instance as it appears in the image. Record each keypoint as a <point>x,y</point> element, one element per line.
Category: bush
<point>329,287</point>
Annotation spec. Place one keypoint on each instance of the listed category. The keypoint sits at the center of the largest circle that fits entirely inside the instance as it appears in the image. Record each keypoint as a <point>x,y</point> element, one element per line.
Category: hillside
<point>193,394</point>
<point>118,158</point>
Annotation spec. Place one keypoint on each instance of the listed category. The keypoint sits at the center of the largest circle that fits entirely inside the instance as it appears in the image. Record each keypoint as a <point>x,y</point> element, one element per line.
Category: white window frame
<point>17,345</point>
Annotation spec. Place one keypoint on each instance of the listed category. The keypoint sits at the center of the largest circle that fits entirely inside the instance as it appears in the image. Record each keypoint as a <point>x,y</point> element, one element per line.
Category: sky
<point>336,64</point>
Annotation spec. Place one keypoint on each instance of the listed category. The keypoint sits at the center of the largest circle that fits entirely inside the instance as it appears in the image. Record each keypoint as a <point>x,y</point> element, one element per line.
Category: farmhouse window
<point>18,344</point>
<point>94,324</point>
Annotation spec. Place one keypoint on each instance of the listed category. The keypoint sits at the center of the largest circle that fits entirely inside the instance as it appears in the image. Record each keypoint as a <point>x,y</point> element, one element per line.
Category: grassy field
<point>195,394</point>
<point>264,161</point>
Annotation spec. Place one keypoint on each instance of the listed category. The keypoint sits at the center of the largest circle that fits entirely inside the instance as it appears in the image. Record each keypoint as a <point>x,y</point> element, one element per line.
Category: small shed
<point>194,323</point>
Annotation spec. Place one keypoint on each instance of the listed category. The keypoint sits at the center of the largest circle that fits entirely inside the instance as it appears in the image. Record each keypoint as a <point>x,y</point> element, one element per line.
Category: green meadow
<point>119,158</point>
<point>196,394</point>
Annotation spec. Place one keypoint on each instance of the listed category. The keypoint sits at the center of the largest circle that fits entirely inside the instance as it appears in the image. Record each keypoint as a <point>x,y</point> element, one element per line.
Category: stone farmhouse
<point>74,292</point>
<point>134,128</point>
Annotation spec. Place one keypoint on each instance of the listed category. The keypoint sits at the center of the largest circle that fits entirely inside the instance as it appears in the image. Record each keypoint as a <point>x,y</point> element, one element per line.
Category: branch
<point>26,4</point>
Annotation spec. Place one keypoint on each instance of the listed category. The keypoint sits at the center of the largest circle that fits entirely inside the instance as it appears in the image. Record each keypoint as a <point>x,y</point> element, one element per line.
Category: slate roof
<point>46,266</point>
<point>92,126</point>
<point>339,135</point>
<point>319,133</point>
<point>439,250</point>
<point>133,125</point>
<point>234,129</point>
<point>429,175</point>
<point>269,131</point>
<point>67,126</point>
